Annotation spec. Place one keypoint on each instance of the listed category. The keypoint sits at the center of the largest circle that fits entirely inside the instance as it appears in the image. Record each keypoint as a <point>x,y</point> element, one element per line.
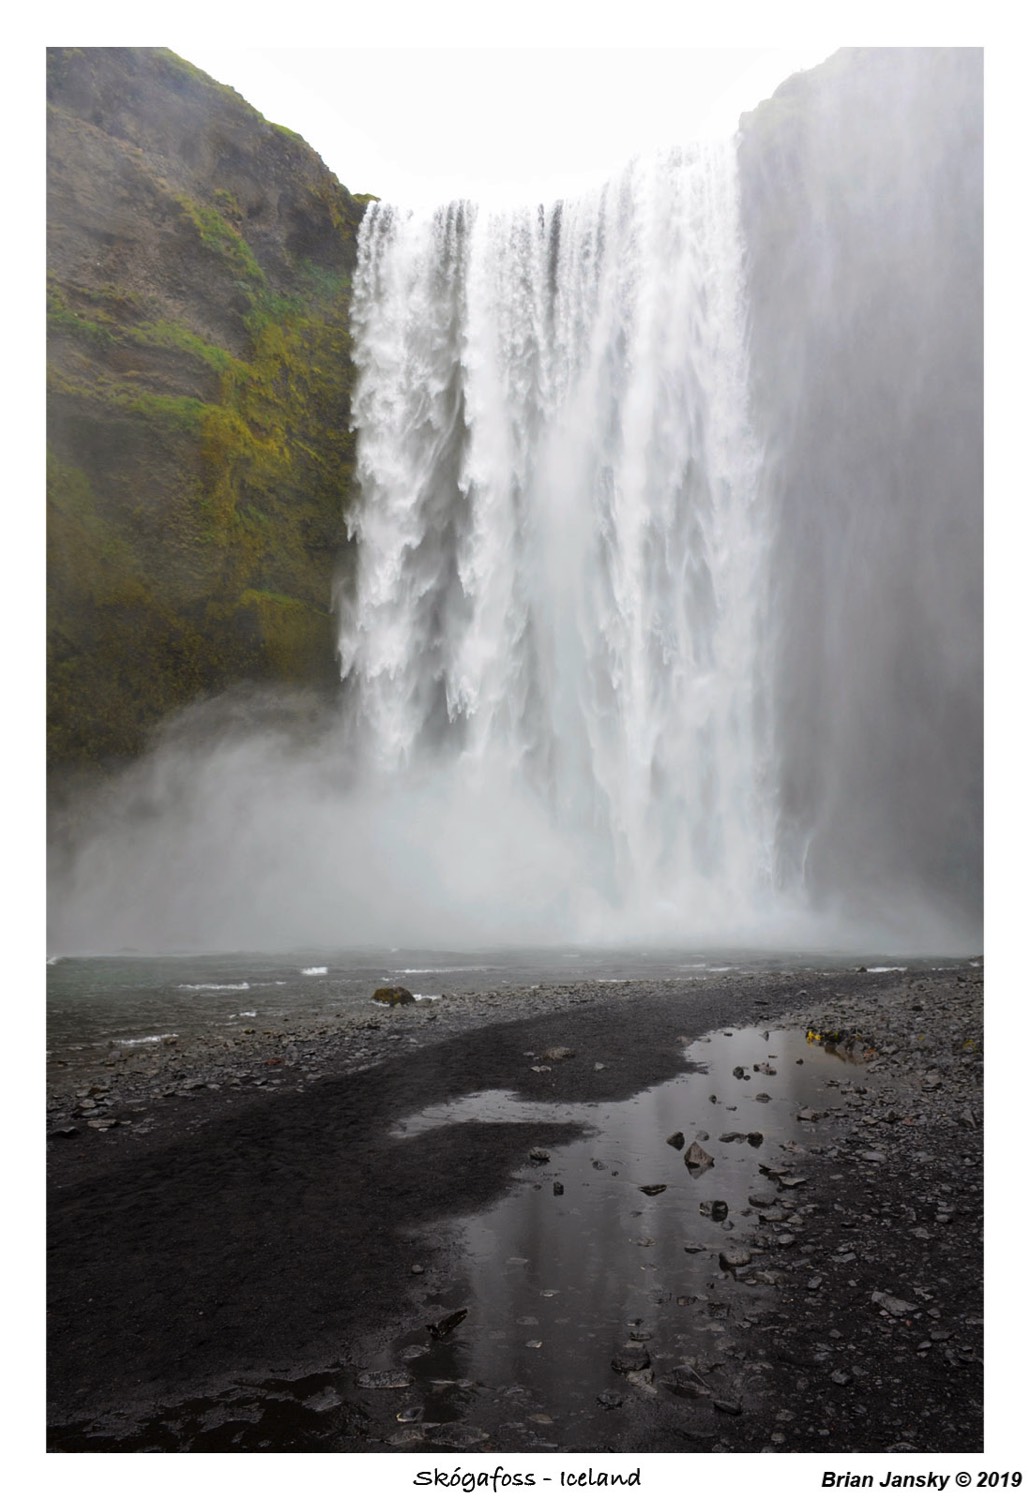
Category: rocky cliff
<point>200,459</point>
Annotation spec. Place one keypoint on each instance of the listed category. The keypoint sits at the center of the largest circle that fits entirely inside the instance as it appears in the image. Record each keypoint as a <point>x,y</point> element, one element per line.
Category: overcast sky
<point>500,124</point>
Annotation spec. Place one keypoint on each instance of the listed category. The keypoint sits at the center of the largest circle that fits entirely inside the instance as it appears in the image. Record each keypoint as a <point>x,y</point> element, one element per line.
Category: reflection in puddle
<point>635,1243</point>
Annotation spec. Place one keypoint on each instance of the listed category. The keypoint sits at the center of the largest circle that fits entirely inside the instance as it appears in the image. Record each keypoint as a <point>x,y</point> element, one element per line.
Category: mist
<point>667,621</point>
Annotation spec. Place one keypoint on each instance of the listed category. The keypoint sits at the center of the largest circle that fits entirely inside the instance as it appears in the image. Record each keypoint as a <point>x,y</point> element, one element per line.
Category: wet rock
<point>411,1414</point>
<point>698,1159</point>
<point>693,1249</point>
<point>630,1359</point>
<point>447,1324</point>
<point>714,1208</point>
<point>685,1380</point>
<point>654,1188</point>
<point>384,1380</point>
<point>393,994</point>
<point>896,1306</point>
<point>407,1437</point>
<point>458,1435</point>
<point>326,1400</point>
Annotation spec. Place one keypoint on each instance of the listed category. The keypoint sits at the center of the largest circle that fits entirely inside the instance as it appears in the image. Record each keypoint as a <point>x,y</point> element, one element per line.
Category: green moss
<point>217,234</point>
<point>202,458</point>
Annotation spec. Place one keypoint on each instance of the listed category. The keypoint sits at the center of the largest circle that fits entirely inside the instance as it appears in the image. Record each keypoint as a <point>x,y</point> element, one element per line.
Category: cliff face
<point>199,264</point>
<point>862,204</point>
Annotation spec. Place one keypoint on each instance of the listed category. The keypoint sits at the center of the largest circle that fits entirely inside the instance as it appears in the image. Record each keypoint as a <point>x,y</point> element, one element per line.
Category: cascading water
<point>562,563</point>
<point>665,618</point>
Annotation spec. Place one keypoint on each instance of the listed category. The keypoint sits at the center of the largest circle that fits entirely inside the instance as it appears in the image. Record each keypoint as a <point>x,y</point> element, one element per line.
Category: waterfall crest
<point>562,570</point>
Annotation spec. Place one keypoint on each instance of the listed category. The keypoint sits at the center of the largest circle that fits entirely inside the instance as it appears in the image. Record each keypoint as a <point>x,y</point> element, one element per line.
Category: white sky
<point>498,124</point>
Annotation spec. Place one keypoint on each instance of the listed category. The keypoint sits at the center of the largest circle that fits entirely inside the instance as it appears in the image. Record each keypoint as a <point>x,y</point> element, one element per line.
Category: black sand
<point>228,1259</point>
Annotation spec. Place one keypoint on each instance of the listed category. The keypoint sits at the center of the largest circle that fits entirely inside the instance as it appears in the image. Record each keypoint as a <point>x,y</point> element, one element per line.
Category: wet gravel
<point>233,1255</point>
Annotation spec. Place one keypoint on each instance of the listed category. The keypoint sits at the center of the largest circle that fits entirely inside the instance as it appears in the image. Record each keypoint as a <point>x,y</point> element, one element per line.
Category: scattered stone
<point>897,1307</point>
<point>686,1381</point>
<point>693,1249</point>
<point>326,1400</point>
<point>697,1158</point>
<point>537,1153</point>
<point>734,1260</point>
<point>557,1054</point>
<point>447,1324</point>
<point>714,1208</point>
<point>731,1408</point>
<point>653,1188</point>
<point>411,1414</point>
<point>459,1435</point>
<point>384,1380</point>
<point>677,1141</point>
<point>417,1269</point>
<point>557,1189</point>
<point>609,1400</point>
<point>629,1360</point>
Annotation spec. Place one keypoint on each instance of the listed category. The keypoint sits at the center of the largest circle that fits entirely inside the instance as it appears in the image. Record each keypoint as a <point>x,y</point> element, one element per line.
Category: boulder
<point>393,994</point>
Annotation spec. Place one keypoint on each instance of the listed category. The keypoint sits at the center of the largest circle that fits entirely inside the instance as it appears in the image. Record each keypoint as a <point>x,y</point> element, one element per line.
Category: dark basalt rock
<point>393,994</point>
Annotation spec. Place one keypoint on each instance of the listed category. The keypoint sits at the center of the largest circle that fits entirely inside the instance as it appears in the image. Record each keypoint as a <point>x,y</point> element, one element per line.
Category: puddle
<point>613,1245</point>
<point>609,1248</point>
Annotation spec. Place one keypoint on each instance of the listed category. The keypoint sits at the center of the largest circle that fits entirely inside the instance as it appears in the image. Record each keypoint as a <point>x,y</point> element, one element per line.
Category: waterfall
<point>559,605</point>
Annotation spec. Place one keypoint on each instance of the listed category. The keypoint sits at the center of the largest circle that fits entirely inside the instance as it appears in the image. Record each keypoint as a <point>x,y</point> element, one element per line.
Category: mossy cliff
<point>200,458</point>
